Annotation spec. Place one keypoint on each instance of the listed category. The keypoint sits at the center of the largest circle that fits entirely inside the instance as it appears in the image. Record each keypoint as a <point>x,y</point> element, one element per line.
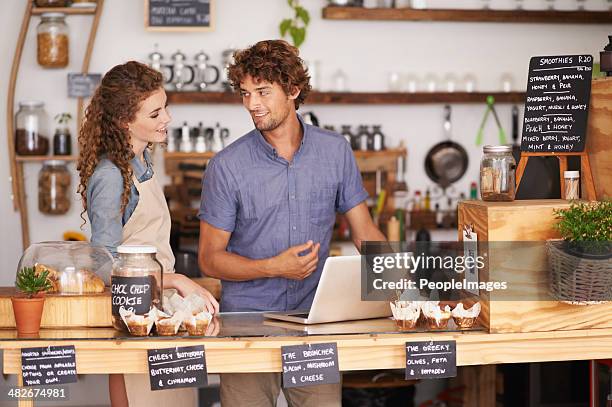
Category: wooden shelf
<point>187,156</point>
<point>65,10</point>
<point>358,98</point>
<point>491,16</point>
<point>39,158</point>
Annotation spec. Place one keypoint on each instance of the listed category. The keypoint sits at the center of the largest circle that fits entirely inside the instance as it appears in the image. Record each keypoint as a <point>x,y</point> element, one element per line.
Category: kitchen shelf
<point>39,158</point>
<point>65,10</point>
<point>491,16</point>
<point>358,98</point>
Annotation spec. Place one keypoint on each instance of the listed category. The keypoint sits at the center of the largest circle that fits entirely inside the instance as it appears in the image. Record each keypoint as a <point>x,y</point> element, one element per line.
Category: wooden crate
<point>599,137</point>
<point>63,311</point>
<point>524,221</point>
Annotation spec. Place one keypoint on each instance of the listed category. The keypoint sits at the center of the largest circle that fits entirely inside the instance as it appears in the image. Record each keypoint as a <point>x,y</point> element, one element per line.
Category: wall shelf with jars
<point>465,15</point>
<point>29,128</point>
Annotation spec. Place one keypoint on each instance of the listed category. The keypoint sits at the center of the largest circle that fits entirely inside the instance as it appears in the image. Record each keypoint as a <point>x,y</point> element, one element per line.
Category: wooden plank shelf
<point>358,98</point>
<point>460,15</point>
<point>39,158</point>
<point>65,10</point>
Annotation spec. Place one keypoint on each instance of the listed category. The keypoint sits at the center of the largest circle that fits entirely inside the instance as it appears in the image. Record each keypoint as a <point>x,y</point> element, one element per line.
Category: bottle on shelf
<point>186,145</point>
<point>427,201</point>
<point>417,201</point>
<point>473,191</point>
<point>346,133</point>
<point>439,215</point>
<point>62,141</point>
<point>377,139</point>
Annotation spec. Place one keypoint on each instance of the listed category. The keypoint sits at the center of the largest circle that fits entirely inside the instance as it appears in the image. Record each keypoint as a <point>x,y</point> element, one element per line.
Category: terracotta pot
<point>28,313</point>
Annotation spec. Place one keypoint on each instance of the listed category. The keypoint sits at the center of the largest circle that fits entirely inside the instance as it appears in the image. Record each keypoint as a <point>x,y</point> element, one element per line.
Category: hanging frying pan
<point>446,162</point>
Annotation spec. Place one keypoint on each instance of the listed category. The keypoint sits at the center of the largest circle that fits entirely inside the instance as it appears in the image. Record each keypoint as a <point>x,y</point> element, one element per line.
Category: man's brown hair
<point>274,61</point>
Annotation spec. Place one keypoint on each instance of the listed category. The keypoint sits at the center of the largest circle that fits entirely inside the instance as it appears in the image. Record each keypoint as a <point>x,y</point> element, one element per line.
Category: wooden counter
<point>99,350</point>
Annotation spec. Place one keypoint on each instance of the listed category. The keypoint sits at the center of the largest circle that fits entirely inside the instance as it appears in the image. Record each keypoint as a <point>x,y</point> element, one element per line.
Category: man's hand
<point>289,264</point>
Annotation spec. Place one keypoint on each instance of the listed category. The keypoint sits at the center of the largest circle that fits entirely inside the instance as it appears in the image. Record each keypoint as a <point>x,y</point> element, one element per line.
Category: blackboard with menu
<point>179,15</point>
<point>557,104</point>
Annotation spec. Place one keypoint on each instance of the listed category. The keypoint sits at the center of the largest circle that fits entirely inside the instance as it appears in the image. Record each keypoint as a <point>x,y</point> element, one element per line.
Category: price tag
<point>48,366</point>
<point>309,365</point>
<point>174,368</point>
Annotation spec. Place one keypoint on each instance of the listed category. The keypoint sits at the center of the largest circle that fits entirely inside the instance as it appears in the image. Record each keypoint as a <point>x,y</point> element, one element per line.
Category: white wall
<point>366,51</point>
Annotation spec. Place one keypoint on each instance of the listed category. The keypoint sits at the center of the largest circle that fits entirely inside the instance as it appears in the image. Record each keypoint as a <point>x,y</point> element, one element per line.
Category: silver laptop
<point>338,296</point>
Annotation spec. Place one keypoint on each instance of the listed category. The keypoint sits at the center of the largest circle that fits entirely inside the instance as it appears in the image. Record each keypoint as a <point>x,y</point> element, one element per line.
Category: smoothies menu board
<point>557,104</point>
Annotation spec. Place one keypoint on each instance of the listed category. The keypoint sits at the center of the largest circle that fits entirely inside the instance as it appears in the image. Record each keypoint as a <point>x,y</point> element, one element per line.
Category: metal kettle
<point>203,72</point>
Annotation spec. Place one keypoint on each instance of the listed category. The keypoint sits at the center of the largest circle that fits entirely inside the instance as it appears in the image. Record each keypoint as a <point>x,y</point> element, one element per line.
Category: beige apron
<point>150,225</point>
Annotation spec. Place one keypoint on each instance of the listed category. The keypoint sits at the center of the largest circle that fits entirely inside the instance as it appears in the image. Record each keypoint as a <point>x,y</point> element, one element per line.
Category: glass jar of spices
<point>54,188</point>
<point>497,173</point>
<point>31,123</point>
<point>51,3</point>
<point>52,41</point>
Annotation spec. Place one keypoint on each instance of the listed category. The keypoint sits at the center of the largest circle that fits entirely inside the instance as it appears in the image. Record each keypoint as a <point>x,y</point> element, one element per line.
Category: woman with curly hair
<point>127,114</point>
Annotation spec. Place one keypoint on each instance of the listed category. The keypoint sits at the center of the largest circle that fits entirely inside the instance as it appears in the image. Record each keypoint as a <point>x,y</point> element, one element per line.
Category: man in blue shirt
<point>269,203</point>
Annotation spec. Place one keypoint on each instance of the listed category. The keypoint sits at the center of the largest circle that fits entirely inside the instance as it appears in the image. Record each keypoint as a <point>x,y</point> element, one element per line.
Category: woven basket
<point>575,280</point>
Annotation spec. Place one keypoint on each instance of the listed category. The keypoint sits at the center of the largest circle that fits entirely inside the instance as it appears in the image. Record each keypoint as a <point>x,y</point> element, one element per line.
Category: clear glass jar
<point>52,41</point>
<point>136,282</point>
<point>497,173</point>
<point>54,188</point>
<point>31,123</point>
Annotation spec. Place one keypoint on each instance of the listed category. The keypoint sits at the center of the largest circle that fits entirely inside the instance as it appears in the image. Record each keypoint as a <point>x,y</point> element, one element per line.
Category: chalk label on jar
<point>132,293</point>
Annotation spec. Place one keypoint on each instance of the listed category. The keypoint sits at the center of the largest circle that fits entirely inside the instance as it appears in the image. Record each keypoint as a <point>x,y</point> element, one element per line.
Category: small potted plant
<point>580,265</point>
<point>28,304</point>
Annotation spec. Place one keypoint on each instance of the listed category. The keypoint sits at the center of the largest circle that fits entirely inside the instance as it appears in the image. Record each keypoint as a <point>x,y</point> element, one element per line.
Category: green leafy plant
<point>296,26</point>
<point>586,226</point>
<point>63,118</point>
<point>30,283</point>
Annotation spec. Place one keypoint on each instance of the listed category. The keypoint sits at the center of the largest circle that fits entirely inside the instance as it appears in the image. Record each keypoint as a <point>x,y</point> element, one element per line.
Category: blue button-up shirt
<point>104,190</point>
<point>269,205</point>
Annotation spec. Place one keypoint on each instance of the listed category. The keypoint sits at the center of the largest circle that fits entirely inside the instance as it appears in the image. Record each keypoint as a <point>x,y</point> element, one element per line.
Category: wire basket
<point>576,280</point>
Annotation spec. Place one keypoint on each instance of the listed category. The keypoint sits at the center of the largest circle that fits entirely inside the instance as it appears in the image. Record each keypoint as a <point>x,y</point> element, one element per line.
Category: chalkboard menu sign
<point>179,15</point>
<point>309,365</point>
<point>132,293</point>
<point>431,359</point>
<point>173,368</point>
<point>557,104</point>
<point>82,85</point>
<point>48,366</point>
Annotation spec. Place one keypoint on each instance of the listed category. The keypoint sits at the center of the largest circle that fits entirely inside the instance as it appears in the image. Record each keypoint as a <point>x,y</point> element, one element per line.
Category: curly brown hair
<point>104,132</point>
<point>274,61</point>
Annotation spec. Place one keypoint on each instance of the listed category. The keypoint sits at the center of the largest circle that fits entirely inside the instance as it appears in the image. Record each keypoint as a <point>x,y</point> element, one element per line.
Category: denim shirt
<point>269,204</point>
<point>104,191</point>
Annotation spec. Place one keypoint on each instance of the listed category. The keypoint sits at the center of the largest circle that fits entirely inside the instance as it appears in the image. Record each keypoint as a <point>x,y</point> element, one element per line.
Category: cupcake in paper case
<point>167,325</point>
<point>406,314</point>
<point>138,325</point>
<point>196,324</point>
<point>465,318</point>
<point>436,317</point>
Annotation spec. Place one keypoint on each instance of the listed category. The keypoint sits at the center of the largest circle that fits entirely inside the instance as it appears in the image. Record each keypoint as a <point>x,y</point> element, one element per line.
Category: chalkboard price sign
<point>431,359</point>
<point>179,15</point>
<point>48,366</point>
<point>557,104</point>
<point>82,85</point>
<point>309,365</point>
<point>173,368</point>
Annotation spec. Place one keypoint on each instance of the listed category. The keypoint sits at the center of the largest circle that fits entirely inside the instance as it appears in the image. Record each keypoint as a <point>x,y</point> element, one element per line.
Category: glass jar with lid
<point>52,41</point>
<point>136,282</point>
<point>31,123</point>
<point>54,188</point>
<point>497,173</point>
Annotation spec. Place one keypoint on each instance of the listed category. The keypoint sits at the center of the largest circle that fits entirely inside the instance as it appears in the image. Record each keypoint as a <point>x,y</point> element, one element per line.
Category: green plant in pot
<point>586,229</point>
<point>29,302</point>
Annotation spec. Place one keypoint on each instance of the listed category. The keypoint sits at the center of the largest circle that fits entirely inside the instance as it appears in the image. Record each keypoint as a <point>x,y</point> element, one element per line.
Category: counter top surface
<point>246,342</point>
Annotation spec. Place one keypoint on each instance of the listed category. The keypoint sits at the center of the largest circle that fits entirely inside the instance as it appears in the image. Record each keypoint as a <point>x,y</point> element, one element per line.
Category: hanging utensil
<point>490,109</point>
<point>447,161</point>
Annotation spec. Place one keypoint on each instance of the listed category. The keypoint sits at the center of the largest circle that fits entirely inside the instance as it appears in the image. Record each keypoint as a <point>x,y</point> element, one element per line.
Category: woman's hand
<point>186,286</point>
